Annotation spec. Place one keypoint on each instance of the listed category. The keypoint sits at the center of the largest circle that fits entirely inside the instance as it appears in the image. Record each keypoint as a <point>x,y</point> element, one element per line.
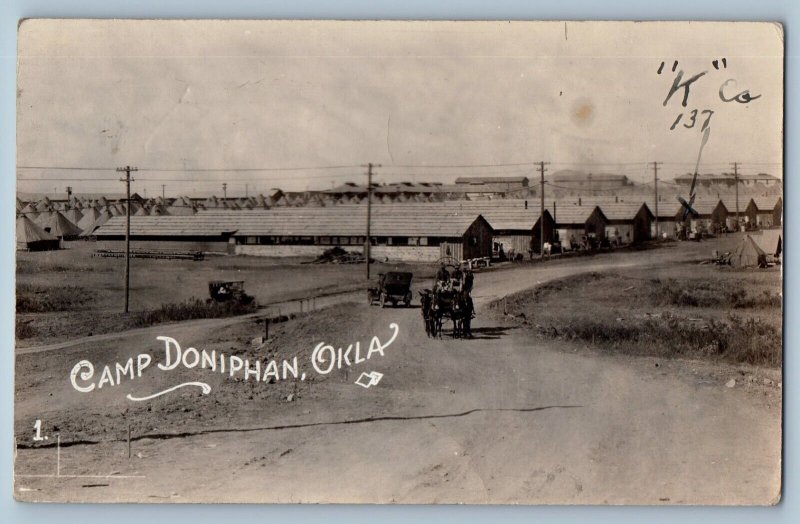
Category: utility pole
<point>368,243</point>
<point>224,192</point>
<point>163,186</point>
<point>246,191</point>
<point>127,170</point>
<point>736,185</point>
<point>655,190</point>
<point>541,215</point>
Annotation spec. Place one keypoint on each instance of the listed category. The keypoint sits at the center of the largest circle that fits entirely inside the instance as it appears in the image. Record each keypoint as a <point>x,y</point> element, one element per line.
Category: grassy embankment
<point>33,299</point>
<point>697,312</point>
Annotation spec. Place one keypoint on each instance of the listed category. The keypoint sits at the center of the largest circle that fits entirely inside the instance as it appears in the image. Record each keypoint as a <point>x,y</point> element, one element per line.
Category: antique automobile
<point>224,291</point>
<point>394,287</point>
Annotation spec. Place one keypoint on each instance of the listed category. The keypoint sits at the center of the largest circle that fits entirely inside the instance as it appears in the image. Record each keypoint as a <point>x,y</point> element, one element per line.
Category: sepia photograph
<point>399,262</point>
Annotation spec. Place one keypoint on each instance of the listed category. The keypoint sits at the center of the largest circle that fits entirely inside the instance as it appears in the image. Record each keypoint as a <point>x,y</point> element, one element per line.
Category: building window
<point>251,240</point>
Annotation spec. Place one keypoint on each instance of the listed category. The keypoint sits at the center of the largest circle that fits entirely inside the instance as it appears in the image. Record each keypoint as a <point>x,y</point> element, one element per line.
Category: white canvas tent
<point>31,237</point>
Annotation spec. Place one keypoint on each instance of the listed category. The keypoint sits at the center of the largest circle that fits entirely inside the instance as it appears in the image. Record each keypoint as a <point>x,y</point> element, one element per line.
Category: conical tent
<point>104,217</point>
<point>748,254</point>
<point>59,226</point>
<point>73,215</point>
<point>42,218</point>
<point>88,218</point>
<point>157,210</point>
<point>142,212</point>
<point>179,208</point>
<point>33,238</point>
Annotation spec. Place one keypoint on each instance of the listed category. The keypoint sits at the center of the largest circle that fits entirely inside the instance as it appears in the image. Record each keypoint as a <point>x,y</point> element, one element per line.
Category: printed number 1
<point>37,426</point>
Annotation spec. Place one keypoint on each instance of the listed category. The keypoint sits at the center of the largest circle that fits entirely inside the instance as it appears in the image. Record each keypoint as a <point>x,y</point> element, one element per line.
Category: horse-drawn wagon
<point>450,298</point>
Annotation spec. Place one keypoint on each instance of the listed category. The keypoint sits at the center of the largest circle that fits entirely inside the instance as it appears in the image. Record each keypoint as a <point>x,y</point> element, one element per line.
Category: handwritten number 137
<point>692,119</point>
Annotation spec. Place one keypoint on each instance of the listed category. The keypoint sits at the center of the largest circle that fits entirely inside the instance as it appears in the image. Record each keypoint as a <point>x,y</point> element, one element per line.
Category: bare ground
<point>505,418</point>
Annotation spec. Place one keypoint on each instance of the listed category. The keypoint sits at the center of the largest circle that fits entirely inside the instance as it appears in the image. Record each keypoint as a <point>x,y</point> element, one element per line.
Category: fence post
<point>266,328</point>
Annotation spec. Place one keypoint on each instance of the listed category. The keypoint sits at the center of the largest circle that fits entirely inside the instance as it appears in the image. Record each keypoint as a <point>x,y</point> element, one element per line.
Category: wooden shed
<point>769,211</point>
<point>628,222</point>
<point>670,216</point>
<point>514,222</point>
<point>574,221</point>
<point>709,214</point>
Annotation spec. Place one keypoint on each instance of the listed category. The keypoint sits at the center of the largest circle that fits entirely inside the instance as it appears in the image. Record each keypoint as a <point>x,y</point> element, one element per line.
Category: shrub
<point>189,310</point>
<point>36,299</point>
<point>750,341</point>
<point>23,329</point>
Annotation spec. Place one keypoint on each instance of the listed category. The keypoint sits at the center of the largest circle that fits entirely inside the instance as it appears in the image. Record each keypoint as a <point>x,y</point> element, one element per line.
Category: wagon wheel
<point>407,299</point>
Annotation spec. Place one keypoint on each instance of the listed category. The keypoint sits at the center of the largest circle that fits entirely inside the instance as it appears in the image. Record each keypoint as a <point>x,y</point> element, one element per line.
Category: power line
<point>69,168</point>
<point>189,169</point>
<point>243,169</point>
<point>460,166</point>
<point>542,170</point>
<point>48,179</point>
<point>127,170</point>
<point>655,195</point>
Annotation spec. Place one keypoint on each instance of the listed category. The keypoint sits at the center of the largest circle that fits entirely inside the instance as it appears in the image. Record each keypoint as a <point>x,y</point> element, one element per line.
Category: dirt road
<point>503,418</point>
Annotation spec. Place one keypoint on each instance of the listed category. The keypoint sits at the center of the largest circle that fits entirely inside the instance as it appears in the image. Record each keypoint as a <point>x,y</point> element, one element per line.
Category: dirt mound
<point>337,255</point>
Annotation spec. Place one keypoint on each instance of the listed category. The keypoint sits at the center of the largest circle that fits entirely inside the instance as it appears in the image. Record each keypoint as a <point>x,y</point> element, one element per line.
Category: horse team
<point>450,299</point>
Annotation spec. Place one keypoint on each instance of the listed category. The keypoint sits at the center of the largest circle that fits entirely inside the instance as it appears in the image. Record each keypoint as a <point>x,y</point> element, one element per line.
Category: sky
<point>185,100</point>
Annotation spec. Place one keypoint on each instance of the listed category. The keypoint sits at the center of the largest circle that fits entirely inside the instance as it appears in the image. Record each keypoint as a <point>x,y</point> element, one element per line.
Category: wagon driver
<point>442,277</point>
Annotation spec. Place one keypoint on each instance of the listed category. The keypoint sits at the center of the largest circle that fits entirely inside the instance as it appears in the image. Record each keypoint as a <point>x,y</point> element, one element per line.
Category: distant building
<point>352,193</point>
<point>588,182</point>
<point>764,179</point>
<point>478,187</point>
<point>727,180</point>
<point>508,182</point>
